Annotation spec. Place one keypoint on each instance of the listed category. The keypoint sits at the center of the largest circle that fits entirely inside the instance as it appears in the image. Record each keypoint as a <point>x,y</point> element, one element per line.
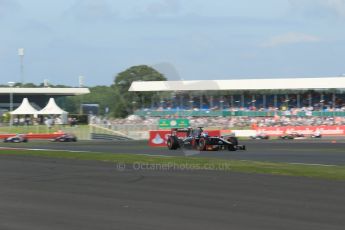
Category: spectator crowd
<point>226,122</point>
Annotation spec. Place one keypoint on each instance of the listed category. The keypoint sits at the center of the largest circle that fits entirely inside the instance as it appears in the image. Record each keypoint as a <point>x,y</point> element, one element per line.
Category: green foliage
<point>5,117</point>
<point>137,73</point>
<point>102,95</point>
<point>82,119</point>
<point>116,97</point>
<point>127,102</point>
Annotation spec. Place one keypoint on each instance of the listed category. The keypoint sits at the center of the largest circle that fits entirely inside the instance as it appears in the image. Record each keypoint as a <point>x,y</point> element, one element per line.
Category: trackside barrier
<point>336,130</point>
<point>244,133</point>
<point>35,135</point>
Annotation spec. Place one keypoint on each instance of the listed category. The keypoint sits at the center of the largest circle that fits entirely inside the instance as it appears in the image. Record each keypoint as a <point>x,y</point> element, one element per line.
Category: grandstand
<point>235,104</point>
<point>322,96</point>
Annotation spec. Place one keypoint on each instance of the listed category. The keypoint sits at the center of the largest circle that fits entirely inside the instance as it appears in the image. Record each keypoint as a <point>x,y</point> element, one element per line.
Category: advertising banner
<point>306,130</point>
<point>173,123</point>
<point>159,137</point>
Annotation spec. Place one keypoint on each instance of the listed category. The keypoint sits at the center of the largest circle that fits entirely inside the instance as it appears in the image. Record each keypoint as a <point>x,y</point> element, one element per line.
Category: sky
<point>183,39</point>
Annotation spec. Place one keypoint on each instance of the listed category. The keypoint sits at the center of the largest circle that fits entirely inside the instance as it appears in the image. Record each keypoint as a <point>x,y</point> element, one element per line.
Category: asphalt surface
<point>41,194</point>
<point>310,151</point>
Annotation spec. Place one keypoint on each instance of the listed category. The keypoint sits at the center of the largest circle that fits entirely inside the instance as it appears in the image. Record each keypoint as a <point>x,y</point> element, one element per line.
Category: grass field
<point>81,131</point>
<point>192,163</point>
<point>29,129</point>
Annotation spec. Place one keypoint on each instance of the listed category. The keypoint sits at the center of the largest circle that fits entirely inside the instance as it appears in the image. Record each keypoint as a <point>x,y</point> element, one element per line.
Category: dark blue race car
<point>197,139</point>
<point>67,137</point>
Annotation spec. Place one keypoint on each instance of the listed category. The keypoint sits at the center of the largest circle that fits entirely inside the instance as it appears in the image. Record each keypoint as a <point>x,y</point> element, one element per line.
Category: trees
<point>126,102</point>
<point>102,95</point>
<point>137,73</point>
<point>116,97</point>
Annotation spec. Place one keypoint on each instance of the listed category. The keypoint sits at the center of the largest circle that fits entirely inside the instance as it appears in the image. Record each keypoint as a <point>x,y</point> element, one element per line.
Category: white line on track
<point>151,155</point>
<point>54,150</point>
<point>71,151</point>
<point>296,163</point>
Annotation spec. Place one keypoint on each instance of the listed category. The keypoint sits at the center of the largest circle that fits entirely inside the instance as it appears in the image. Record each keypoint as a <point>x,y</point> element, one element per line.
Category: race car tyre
<point>241,147</point>
<point>172,143</point>
<point>233,140</point>
<point>202,144</point>
<point>231,148</point>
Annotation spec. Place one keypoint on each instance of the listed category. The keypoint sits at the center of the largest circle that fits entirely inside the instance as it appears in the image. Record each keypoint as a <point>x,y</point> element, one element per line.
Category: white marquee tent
<point>25,109</point>
<point>52,109</point>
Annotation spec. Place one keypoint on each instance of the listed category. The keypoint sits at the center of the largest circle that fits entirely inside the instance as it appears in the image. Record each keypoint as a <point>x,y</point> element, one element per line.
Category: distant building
<point>37,96</point>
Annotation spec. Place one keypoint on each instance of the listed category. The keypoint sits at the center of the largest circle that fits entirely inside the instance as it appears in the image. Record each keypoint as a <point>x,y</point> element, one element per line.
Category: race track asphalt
<point>311,151</point>
<point>41,193</point>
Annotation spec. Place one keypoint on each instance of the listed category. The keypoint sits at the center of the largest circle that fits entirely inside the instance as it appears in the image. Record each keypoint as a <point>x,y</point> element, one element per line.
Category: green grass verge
<point>28,129</point>
<point>81,131</point>
<point>190,163</point>
<point>39,128</point>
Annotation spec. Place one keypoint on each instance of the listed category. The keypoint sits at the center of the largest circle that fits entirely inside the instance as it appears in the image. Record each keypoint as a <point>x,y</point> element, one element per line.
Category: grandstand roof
<point>45,91</point>
<point>242,84</point>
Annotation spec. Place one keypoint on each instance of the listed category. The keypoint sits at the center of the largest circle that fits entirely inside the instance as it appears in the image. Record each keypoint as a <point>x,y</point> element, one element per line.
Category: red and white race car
<point>18,138</point>
<point>260,136</point>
